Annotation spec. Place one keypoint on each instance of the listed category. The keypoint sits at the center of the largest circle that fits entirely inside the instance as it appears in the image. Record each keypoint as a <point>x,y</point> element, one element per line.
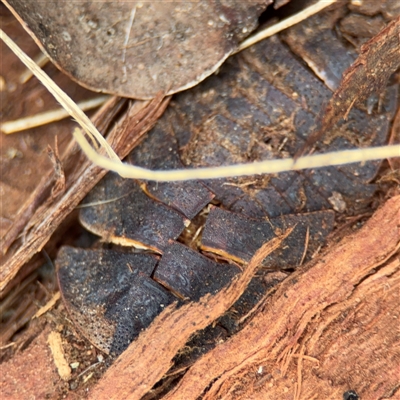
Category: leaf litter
<point>241,183</point>
<point>137,49</point>
<point>222,122</point>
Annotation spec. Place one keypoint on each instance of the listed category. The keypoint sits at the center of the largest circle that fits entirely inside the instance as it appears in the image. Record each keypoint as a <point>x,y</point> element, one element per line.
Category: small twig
<point>59,175</point>
<point>7,346</point>
<point>89,368</point>
<point>304,357</point>
<point>101,202</point>
<point>55,343</point>
<point>86,378</point>
<point>286,23</point>
<point>49,116</point>
<point>239,185</point>
<point>346,114</point>
<point>196,235</point>
<point>299,382</point>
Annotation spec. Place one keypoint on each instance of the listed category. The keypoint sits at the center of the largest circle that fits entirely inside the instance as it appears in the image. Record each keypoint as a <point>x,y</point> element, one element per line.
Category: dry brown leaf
<point>136,49</point>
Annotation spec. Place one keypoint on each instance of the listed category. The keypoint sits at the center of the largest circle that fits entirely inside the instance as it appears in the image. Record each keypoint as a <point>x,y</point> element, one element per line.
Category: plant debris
<point>64,370</point>
<point>137,49</point>
<point>262,104</point>
<point>368,75</point>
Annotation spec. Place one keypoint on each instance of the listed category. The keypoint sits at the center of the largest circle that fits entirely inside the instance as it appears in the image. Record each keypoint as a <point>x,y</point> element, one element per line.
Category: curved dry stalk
<point>255,168</point>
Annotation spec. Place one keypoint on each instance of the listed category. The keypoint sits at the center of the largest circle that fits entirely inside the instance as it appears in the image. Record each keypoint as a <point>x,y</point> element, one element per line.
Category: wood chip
<point>55,343</point>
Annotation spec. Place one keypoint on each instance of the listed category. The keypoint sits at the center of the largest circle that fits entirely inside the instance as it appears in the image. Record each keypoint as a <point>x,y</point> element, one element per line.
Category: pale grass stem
<point>40,60</point>
<point>48,117</point>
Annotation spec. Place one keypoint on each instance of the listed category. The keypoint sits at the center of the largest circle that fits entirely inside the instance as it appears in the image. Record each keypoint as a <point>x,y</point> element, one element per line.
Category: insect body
<point>263,104</point>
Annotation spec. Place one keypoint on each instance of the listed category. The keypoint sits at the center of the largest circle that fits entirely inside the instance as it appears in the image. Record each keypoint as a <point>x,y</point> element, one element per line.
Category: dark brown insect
<point>263,104</point>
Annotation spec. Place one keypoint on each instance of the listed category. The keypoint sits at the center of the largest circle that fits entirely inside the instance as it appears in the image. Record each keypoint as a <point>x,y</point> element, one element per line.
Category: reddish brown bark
<point>339,313</point>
